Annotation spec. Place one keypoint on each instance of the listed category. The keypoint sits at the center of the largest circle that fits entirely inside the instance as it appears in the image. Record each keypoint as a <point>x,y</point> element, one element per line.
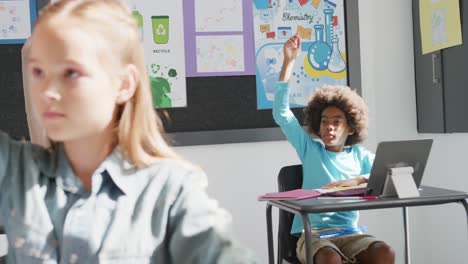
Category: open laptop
<point>393,154</point>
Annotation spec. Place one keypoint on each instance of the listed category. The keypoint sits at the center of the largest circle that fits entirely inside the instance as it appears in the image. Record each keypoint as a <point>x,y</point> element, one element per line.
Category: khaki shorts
<point>347,246</point>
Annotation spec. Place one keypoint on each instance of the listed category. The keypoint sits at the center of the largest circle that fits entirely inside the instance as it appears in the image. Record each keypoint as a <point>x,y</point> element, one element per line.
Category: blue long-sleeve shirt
<point>320,166</point>
<point>157,214</point>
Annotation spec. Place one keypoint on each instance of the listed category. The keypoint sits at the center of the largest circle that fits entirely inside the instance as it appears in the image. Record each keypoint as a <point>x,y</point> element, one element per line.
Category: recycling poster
<point>193,39</point>
<point>159,23</point>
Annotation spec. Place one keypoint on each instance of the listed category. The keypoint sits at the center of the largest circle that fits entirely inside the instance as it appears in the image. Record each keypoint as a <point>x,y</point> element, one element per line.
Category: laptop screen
<point>395,154</point>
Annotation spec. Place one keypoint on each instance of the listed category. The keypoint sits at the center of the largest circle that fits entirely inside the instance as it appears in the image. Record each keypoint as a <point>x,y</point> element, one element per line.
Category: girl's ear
<point>129,83</point>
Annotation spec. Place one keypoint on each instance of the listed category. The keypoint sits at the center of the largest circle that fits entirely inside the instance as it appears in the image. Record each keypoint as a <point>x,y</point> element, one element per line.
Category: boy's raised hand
<point>292,48</point>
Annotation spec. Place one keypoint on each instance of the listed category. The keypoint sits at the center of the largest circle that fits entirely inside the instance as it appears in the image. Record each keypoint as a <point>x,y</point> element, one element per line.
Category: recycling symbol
<point>160,30</point>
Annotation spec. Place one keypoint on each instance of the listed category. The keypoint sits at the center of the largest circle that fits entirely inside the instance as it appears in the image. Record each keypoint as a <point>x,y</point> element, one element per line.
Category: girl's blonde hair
<point>139,129</point>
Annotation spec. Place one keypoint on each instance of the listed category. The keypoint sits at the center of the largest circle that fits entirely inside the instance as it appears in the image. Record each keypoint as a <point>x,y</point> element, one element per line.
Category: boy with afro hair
<point>338,117</point>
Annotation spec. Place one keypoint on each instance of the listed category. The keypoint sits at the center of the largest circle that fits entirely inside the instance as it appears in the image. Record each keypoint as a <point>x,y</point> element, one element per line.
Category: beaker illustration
<point>328,25</point>
<point>337,63</point>
<point>160,29</point>
<point>319,52</point>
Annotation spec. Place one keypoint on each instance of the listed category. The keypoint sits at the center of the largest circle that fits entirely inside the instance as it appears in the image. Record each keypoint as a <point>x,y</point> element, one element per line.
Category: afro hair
<point>346,100</point>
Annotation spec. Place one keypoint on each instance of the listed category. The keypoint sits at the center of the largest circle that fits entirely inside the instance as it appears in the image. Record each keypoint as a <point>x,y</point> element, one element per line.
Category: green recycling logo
<point>160,30</point>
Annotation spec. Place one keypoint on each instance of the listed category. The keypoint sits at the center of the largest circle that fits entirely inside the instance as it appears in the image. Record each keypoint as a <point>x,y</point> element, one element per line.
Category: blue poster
<point>17,18</point>
<point>321,26</point>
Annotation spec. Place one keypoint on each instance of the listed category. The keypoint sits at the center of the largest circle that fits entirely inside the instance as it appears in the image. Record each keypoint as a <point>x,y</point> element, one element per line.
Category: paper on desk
<point>300,194</point>
<point>297,194</point>
<point>340,188</point>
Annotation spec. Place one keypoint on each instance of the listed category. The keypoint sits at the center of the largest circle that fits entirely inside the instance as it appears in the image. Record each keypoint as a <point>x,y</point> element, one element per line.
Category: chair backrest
<point>289,178</point>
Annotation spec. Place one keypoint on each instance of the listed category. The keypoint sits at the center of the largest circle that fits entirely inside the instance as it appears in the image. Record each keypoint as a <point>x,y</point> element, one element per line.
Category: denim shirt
<point>156,214</point>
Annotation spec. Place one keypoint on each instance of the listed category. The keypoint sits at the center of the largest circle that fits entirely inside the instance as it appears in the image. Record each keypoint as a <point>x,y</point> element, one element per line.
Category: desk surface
<point>428,196</point>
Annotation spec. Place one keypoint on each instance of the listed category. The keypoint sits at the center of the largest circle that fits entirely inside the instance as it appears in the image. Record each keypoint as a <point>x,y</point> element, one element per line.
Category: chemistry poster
<point>321,26</point>
<point>16,20</point>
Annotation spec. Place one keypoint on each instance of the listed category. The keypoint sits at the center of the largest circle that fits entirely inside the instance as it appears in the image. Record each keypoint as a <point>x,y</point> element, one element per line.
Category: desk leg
<point>271,256</point>
<point>308,239</point>
<point>407,237</point>
<point>465,204</point>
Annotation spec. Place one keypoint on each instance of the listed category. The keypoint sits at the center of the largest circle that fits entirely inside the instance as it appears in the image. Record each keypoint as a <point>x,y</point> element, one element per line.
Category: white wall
<point>392,96</point>
<point>238,173</point>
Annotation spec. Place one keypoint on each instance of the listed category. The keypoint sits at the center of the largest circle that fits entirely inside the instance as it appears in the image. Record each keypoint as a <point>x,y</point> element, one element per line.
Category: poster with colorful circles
<point>16,20</point>
<point>321,26</point>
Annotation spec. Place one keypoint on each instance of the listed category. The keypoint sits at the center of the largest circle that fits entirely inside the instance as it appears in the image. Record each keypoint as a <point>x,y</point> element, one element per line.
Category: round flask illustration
<point>337,63</point>
<point>319,52</point>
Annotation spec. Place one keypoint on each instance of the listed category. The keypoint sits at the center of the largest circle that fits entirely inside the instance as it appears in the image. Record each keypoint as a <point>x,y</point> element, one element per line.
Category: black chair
<point>289,178</point>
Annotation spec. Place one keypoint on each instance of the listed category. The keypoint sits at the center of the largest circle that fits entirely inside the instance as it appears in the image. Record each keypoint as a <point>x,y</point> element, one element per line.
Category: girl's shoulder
<point>174,170</point>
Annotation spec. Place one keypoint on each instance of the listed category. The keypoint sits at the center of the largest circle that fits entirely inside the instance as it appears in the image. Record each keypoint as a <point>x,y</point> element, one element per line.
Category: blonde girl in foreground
<point>109,189</point>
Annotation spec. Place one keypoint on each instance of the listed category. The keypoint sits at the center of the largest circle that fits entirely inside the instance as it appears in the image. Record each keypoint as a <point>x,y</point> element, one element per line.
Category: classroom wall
<point>239,172</point>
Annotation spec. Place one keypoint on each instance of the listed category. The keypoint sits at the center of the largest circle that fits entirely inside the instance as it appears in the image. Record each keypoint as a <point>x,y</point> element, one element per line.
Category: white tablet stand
<point>400,182</point>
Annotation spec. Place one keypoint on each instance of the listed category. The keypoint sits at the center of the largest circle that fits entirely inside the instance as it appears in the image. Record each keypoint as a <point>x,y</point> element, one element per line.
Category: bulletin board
<point>224,109</point>
<point>215,109</point>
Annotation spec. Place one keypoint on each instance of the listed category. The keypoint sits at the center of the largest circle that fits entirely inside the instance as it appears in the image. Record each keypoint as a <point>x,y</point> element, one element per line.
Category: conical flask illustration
<point>336,63</point>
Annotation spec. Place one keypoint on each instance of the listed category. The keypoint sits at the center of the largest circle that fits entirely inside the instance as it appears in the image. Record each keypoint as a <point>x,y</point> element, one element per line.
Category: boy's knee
<point>382,253</point>
<point>327,255</point>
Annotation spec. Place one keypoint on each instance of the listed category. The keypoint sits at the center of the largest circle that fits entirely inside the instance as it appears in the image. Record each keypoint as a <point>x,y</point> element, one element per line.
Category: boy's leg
<point>365,249</point>
<point>378,253</point>
<point>323,251</point>
<point>327,255</point>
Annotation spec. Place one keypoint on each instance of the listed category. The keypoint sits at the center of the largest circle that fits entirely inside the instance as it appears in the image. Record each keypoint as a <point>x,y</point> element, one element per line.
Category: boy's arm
<point>285,118</point>
<point>282,114</point>
<point>200,231</point>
